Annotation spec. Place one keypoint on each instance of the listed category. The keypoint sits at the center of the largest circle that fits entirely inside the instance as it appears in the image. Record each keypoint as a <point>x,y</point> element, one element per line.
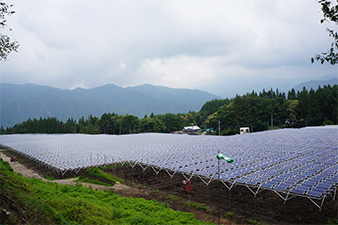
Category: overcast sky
<point>223,47</point>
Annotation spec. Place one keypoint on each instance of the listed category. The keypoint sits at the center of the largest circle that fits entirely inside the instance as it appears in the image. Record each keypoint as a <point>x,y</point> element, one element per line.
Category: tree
<point>303,106</point>
<point>159,125</point>
<point>224,115</point>
<point>330,13</point>
<point>292,94</point>
<point>92,125</point>
<point>241,110</point>
<point>6,46</point>
<point>211,107</point>
<point>211,120</point>
<point>131,122</point>
<point>119,123</point>
<point>70,126</point>
<point>106,124</point>
<point>147,124</point>
<point>292,109</point>
<point>314,104</point>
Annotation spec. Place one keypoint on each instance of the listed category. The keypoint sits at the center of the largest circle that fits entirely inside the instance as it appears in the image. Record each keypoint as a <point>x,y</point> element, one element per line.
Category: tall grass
<point>93,174</point>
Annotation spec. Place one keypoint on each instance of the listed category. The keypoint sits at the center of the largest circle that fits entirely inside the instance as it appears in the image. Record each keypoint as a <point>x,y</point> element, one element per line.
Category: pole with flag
<point>221,156</point>
<point>229,160</point>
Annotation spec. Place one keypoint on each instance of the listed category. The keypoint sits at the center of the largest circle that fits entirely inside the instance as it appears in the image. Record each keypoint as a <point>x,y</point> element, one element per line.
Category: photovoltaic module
<point>297,161</point>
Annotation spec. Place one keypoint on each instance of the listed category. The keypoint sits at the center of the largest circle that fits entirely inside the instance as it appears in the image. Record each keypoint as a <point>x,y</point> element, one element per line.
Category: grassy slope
<point>37,202</point>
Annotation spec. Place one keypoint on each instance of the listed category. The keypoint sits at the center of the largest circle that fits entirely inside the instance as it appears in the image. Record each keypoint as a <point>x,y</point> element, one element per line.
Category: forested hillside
<point>272,108</point>
<point>259,111</point>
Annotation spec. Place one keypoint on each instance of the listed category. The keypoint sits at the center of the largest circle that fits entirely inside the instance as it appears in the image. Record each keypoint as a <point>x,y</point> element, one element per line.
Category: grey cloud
<point>83,43</point>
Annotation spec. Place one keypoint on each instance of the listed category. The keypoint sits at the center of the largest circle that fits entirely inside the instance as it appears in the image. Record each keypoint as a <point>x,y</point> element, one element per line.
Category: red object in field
<point>186,185</point>
<point>13,159</point>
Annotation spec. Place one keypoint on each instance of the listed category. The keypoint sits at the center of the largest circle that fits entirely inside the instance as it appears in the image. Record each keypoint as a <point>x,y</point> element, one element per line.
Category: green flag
<point>221,156</point>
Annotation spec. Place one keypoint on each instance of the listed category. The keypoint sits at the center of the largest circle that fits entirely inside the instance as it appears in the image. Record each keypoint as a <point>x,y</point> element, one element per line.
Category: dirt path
<point>26,172</point>
<point>20,168</point>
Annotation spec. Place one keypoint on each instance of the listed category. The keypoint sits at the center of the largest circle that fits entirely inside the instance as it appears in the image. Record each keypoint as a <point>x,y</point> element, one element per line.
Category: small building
<point>191,129</point>
<point>244,130</point>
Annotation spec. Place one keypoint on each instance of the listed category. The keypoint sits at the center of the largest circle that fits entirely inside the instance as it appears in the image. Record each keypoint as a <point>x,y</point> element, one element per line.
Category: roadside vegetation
<point>33,201</point>
<point>95,175</point>
<point>198,205</point>
<point>259,111</point>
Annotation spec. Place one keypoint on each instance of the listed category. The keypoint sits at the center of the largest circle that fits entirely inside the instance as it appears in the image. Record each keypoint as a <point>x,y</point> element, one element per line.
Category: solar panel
<point>303,161</point>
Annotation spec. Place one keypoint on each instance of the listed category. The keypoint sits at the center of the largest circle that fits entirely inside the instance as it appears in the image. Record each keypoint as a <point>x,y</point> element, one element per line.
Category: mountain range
<point>315,83</point>
<point>20,102</point>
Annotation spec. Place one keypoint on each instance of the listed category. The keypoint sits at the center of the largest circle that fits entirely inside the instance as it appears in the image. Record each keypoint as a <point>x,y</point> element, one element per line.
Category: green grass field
<point>37,202</point>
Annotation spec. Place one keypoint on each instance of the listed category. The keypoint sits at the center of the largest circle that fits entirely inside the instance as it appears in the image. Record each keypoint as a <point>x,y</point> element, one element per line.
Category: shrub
<point>229,215</point>
<point>198,205</point>
<point>332,221</point>
<point>97,176</point>
<point>172,197</point>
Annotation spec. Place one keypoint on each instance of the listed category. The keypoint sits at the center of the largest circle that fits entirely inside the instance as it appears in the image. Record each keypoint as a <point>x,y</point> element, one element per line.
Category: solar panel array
<point>300,161</point>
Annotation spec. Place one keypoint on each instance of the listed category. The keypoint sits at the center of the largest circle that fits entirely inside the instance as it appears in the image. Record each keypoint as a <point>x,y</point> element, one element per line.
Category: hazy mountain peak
<point>315,83</point>
<point>34,101</point>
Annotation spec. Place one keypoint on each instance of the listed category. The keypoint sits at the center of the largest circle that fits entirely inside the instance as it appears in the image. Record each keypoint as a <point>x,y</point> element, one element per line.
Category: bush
<point>229,215</point>
<point>198,205</point>
<point>172,197</point>
<point>97,176</point>
<point>327,122</point>
<point>4,166</point>
<point>332,221</point>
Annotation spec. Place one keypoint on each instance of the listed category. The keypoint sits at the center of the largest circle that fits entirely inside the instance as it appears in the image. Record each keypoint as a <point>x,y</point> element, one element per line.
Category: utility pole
<point>228,160</point>
<point>271,121</point>
<point>219,128</point>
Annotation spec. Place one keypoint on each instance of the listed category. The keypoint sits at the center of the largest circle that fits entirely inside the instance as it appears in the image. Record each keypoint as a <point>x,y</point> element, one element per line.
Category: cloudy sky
<point>223,47</point>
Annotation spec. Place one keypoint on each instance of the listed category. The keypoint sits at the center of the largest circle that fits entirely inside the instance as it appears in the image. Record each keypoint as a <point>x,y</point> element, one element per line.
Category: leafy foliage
<point>51,203</point>
<point>330,13</point>
<point>230,215</point>
<point>198,205</point>
<point>332,221</point>
<point>256,110</point>
<point>6,46</point>
<point>212,106</point>
<point>97,176</point>
<point>251,221</point>
<point>172,197</point>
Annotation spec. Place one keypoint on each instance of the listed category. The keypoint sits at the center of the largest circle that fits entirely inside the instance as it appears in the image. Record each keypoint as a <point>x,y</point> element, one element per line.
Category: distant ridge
<point>315,83</point>
<point>20,102</point>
